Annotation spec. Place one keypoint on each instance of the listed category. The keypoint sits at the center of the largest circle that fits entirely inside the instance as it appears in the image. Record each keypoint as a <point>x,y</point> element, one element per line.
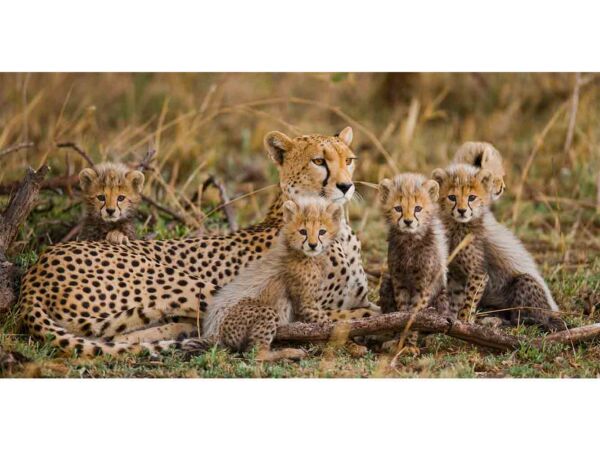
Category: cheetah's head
<point>314,165</point>
<point>408,201</point>
<point>485,156</point>
<point>310,224</point>
<point>112,192</point>
<point>465,191</point>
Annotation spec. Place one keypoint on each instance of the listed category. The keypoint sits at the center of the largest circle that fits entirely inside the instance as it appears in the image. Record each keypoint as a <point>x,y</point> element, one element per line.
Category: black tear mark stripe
<point>327,170</point>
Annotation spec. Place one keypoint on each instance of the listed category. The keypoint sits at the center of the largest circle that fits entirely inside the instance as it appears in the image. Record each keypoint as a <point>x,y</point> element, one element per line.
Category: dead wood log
<point>19,206</point>
<point>431,322</point>
<point>62,182</point>
<point>426,321</point>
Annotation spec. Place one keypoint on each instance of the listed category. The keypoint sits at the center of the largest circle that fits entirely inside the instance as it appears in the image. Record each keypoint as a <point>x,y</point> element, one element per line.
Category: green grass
<point>442,356</point>
<point>198,121</point>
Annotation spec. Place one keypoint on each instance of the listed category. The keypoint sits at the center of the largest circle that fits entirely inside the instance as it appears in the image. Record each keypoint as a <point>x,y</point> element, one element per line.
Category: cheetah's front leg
<point>117,237</point>
<point>474,288</point>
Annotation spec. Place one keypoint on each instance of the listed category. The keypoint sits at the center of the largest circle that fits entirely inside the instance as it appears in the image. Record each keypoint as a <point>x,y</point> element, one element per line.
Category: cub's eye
<point>101,197</point>
<point>472,198</point>
<point>418,208</point>
<point>398,208</point>
<point>322,232</point>
<point>302,232</point>
<point>452,198</point>
<point>319,161</point>
<point>120,198</point>
<point>349,161</point>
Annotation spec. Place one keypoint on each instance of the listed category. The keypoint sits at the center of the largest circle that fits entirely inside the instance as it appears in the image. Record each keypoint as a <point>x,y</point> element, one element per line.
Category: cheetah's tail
<point>43,326</point>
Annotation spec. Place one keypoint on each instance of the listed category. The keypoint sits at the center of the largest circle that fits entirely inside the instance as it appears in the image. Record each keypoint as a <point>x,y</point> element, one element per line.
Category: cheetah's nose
<point>110,211</point>
<point>344,187</point>
<point>408,222</point>
<point>462,211</point>
<point>312,246</point>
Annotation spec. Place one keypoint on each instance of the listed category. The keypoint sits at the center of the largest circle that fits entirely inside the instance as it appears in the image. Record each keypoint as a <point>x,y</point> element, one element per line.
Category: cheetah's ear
<point>433,189</point>
<point>87,178</point>
<point>486,178</point>
<point>346,135</point>
<point>385,187</point>
<point>136,178</point>
<point>277,144</point>
<point>440,176</point>
<point>290,209</point>
<point>336,211</point>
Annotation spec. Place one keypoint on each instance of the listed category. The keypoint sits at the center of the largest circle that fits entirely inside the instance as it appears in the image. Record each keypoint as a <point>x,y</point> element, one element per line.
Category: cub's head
<point>314,165</point>
<point>484,156</point>
<point>310,224</point>
<point>112,192</point>
<point>408,201</point>
<point>465,191</point>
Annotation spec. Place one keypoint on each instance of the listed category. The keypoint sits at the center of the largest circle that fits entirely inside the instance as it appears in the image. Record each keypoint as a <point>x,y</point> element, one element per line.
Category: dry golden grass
<point>213,124</point>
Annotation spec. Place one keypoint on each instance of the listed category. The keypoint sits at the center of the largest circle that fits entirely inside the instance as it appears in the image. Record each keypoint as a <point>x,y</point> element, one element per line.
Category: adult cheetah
<point>100,297</point>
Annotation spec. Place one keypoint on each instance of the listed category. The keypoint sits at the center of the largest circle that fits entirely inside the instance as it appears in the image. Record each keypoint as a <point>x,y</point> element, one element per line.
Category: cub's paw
<point>491,321</point>
<point>194,345</point>
<point>116,237</point>
<point>355,350</point>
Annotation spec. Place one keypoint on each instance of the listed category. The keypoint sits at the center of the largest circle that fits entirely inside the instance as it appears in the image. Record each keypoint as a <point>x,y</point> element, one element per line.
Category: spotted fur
<point>417,248</point>
<point>484,156</point>
<point>282,287</point>
<point>494,269</point>
<point>112,194</point>
<point>92,291</point>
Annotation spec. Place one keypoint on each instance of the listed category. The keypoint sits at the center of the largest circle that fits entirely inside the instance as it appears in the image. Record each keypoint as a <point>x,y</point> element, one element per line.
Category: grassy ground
<point>214,123</point>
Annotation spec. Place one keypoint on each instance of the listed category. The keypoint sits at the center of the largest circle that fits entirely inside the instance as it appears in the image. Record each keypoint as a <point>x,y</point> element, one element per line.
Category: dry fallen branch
<point>164,209</point>
<point>431,322</point>
<point>225,202</point>
<point>16,147</point>
<point>145,164</point>
<point>78,149</point>
<point>19,206</point>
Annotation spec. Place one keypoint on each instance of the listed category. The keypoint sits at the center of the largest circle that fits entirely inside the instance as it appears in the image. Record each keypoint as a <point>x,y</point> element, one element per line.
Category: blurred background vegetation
<point>546,125</point>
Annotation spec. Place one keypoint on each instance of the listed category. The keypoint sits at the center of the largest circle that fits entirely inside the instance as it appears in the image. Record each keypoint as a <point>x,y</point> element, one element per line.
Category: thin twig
<point>145,164</point>
<point>572,114</point>
<point>164,209</point>
<point>78,149</point>
<point>225,202</point>
<point>16,147</point>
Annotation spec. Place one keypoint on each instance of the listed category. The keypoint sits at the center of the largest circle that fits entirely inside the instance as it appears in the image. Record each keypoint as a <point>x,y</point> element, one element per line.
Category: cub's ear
<point>136,178</point>
<point>433,189</point>
<point>336,211</point>
<point>346,135</point>
<point>440,176</point>
<point>87,178</point>
<point>277,144</point>
<point>486,178</point>
<point>290,209</point>
<point>385,187</point>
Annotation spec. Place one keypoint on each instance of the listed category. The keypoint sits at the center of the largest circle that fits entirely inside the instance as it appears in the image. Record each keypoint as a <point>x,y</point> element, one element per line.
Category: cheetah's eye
<point>398,208</point>
<point>349,161</point>
<point>120,198</point>
<point>452,198</point>
<point>101,197</point>
<point>319,161</point>
<point>418,208</point>
<point>472,198</point>
<point>322,232</point>
<point>303,232</point>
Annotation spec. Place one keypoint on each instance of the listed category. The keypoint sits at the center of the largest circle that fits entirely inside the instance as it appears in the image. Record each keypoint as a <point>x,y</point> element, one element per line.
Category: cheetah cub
<point>112,193</point>
<point>483,156</point>
<point>417,248</point>
<point>283,286</point>
<point>494,268</point>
